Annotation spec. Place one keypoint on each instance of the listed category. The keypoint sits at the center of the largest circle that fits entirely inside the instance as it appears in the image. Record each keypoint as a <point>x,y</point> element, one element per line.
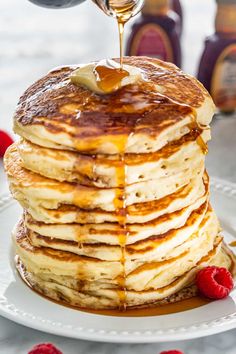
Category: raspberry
<point>214,282</point>
<point>5,141</point>
<point>172,352</point>
<point>44,348</point>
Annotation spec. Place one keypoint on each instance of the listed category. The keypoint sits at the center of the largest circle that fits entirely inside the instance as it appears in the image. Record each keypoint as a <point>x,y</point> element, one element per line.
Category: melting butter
<point>106,76</point>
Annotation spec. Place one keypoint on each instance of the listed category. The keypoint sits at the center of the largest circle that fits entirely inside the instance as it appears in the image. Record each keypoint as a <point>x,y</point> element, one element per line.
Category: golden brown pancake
<point>49,193</point>
<point>102,170</point>
<point>138,118</point>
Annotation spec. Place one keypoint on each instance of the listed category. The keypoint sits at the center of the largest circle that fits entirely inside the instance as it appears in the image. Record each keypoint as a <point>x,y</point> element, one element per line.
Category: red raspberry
<point>172,352</point>
<point>44,348</point>
<point>214,282</point>
<point>5,141</point>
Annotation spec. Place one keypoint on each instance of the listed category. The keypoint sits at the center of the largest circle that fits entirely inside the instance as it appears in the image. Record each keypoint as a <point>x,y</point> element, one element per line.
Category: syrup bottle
<point>176,7</point>
<point>217,69</point>
<point>155,33</point>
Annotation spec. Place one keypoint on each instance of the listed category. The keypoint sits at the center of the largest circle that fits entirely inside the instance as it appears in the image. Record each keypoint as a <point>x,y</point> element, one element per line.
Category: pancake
<point>140,243</point>
<point>136,213</point>
<point>109,232</point>
<point>49,193</point>
<point>109,299</point>
<point>138,118</point>
<point>102,170</point>
<point>45,256</point>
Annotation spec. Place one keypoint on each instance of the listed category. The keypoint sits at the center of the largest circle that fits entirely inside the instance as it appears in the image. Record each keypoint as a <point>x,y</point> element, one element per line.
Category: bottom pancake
<point>103,292</point>
<point>69,297</point>
<point>108,298</point>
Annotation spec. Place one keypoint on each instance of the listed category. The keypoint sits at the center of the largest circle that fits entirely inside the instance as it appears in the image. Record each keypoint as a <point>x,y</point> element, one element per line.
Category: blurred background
<point>35,39</point>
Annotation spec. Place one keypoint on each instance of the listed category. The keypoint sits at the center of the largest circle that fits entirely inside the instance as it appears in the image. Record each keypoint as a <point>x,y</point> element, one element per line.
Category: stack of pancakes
<point>114,189</point>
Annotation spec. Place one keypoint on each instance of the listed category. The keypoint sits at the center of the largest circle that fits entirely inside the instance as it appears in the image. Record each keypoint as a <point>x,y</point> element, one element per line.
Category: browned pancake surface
<point>61,106</point>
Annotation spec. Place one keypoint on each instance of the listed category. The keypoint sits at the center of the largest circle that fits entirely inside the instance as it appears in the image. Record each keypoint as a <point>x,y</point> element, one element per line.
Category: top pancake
<point>138,118</point>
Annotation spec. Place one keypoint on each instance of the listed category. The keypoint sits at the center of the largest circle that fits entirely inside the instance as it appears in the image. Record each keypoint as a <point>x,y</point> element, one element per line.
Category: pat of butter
<point>86,76</point>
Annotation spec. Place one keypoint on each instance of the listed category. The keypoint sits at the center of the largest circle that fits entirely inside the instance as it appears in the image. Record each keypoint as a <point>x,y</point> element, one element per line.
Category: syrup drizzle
<point>121,25</point>
<point>108,77</point>
<point>194,127</point>
<point>123,11</point>
<point>121,213</point>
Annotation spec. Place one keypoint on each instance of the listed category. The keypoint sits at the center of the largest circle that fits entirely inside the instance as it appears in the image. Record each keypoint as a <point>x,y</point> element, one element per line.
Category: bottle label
<point>223,84</point>
<point>151,40</point>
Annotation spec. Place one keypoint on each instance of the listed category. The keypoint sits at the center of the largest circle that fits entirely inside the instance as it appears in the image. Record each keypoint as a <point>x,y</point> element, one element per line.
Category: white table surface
<point>33,40</point>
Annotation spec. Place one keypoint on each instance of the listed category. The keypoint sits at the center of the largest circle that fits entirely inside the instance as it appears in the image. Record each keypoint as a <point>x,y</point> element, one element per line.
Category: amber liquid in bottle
<point>155,33</point>
<point>217,68</point>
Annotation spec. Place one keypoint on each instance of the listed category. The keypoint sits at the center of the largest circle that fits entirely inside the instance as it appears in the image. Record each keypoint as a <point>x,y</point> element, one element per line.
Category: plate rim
<point>201,329</point>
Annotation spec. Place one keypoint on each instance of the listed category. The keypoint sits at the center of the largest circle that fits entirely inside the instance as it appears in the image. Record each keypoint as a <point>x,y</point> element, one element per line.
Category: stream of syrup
<point>121,25</point>
<point>108,77</point>
<point>122,10</point>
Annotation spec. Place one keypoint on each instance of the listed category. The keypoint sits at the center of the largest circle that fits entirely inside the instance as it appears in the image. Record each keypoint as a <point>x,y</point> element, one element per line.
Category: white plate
<point>20,304</point>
